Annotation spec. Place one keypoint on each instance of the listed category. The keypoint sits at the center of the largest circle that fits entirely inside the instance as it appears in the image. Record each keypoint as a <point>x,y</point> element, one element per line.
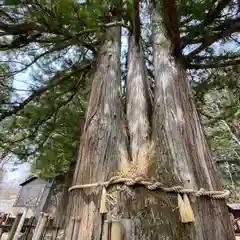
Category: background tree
<point>219,106</point>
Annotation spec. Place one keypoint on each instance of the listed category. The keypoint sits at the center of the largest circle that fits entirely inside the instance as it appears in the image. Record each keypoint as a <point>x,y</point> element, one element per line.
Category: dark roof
<point>234,206</point>
<point>28,180</point>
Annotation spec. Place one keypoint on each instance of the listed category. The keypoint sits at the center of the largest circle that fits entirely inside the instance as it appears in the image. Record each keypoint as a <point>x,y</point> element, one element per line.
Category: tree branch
<point>21,28</point>
<point>3,13</point>
<point>234,137</point>
<point>228,27</point>
<point>41,90</point>
<point>214,119</point>
<point>53,49</point>
<point>233,24</point>
<point>213,13</point>
<point>20,41</point>
<point>33,133</point>
<point>206,42</point>
<point>213,64</point>
<point>26,29</point>
<point>172,23</point>
<point>216,58</point>
<point>136,21</point>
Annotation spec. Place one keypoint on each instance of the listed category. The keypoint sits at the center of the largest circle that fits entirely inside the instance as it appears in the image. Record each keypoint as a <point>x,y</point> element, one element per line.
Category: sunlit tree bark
<point>164,141</point>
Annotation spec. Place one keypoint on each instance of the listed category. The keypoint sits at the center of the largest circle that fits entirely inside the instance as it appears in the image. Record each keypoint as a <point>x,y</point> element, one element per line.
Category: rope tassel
<point>103,207</point>
<point>185,209</point>
<point>188,207</point>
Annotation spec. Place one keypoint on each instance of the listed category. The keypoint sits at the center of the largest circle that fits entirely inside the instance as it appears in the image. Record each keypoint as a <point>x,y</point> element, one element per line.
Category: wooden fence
<point>44,228</point>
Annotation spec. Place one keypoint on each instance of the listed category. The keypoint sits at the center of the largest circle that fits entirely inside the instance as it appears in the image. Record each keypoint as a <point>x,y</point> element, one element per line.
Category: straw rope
<point>150,185</point>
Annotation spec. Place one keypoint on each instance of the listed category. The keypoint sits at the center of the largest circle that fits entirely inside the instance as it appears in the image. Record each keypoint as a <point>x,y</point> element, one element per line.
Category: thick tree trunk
<point>138,109</point>
<point>182,154</point>
<point>103,143</point>
<point>167,144</point>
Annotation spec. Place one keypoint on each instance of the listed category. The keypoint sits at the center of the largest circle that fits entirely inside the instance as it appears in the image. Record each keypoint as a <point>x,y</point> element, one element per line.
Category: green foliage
<point>58,148</point>
<point>54,45</point>
<point>219,105</point>
<point>196,9</point>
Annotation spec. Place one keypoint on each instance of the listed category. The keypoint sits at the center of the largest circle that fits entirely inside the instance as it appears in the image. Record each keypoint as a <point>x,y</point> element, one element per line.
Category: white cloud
<point>15,174</point>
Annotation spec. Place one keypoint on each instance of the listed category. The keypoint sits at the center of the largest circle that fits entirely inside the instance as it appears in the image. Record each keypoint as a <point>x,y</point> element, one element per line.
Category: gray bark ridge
<point>182,154</point>
<point>103,140</point>
<point>138,109</point>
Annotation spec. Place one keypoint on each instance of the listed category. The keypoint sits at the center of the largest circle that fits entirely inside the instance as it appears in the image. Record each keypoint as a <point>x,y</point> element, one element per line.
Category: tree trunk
<point>182,154</point>
<point>164,142</point>
<point>103,144</point>
<point>138,109</point>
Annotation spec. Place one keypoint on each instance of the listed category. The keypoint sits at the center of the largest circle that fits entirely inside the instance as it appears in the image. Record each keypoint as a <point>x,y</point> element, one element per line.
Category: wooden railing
<point>46,226</point>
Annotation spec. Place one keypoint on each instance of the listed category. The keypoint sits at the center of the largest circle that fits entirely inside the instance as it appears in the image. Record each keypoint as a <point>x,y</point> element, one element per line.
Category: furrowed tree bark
<point>165,142</point>
<point>132,205</point>
<point>138,107</point>
<point>103,143</point>
<point>182,156</point>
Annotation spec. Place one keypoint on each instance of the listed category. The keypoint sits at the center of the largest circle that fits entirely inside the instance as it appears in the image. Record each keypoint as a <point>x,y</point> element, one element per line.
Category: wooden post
<point>55,232</point>
<point>76,229</point>
<point>20,224</point>
<point>69,233</point>
<point>46,228</point>
<point>56,227</point>
<point>116,230</point>
<point>3,218</point>
<point>127,229</point>
<point>14,226</point>
<point>37,226</point>
<point>41,227</point>
<point>1,232</point>
<point>30,227</point>
<point>7,217</point>
<point>106,232</point>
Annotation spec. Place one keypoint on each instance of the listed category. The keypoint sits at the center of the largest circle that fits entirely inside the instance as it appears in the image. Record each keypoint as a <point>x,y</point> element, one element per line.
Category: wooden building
<point>34,194</point>
<point>234,210</point>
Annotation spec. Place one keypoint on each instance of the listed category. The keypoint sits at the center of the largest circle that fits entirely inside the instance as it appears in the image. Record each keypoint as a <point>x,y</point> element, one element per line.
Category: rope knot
<point>153,185</point>
<point>199,193</point>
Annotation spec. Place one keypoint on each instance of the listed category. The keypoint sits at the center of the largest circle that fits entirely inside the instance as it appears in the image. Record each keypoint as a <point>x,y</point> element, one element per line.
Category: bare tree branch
<point>216,58</point>
<point>213,64</point>
<point>21,28</point>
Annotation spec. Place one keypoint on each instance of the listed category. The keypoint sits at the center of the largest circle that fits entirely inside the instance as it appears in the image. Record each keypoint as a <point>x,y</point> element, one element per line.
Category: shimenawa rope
<point>150,185</point>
